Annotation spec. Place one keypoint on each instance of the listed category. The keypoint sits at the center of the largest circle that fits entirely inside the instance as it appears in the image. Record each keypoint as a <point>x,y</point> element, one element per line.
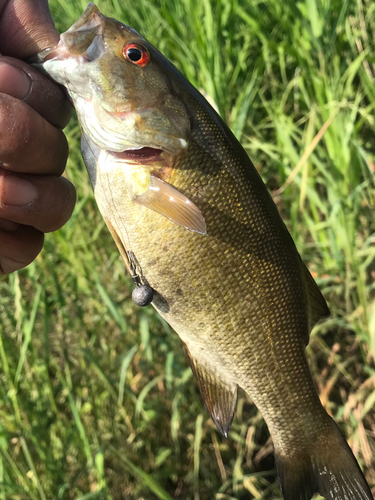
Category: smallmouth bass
<point>194,222</point>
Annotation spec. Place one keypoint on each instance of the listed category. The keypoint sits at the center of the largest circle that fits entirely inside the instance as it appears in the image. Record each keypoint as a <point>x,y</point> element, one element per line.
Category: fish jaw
<point>119,106</point>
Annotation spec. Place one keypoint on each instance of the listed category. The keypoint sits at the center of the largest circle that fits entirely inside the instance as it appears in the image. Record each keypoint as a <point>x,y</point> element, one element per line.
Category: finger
<point>28,142</point>
<point>44,202</point>
<point>18,248</point>
<point>22,81</point>
<point>26,27</point>
<point>8,225</point>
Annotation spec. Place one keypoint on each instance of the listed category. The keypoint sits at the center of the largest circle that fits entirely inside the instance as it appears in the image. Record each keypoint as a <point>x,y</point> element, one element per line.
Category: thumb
<point>26,27</point>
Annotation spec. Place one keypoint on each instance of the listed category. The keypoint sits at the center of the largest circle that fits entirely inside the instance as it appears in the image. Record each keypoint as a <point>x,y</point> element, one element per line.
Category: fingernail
<point>14,81</point>
<point>18,191</point>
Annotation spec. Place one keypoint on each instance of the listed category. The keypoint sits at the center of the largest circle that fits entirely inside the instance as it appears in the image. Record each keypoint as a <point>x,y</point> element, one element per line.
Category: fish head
<point>115,78</point>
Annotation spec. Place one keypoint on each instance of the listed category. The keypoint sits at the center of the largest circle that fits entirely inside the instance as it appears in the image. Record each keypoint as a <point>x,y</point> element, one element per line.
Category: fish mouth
<point>75,41</point>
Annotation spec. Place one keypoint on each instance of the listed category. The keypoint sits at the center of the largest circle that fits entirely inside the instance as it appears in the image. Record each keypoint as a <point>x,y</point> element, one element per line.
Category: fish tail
<point>328,468</point>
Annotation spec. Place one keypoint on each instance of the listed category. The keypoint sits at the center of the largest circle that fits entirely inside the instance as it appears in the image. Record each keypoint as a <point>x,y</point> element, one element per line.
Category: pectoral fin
<point>219,394</point>
<point>166,200</point>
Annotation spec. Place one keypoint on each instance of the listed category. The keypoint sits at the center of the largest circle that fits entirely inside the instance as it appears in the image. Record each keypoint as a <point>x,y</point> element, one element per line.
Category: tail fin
<point>330,470</point>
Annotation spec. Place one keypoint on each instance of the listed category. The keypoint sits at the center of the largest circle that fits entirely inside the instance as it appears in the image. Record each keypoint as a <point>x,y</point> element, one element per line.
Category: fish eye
<point>136,53</point>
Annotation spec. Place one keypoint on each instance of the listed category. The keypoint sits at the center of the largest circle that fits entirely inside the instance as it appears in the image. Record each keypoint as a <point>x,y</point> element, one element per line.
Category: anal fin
<point>219,394</point>
<point>317,306</point>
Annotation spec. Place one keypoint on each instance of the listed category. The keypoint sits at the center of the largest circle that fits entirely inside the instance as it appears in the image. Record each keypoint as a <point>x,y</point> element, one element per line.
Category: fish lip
<point>90,10</point>
<point>91,20</point>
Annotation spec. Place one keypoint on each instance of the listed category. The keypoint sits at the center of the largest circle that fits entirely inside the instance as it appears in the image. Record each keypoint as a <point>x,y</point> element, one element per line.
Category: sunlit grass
<point>97,400</point>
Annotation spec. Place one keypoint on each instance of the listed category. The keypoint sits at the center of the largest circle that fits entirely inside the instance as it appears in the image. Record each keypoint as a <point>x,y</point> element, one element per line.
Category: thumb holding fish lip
<point>26,27</point>
<point>19,79</point>
<point>31,140</point>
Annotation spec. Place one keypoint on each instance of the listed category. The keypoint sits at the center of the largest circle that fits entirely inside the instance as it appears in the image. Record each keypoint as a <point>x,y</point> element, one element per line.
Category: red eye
<point>137,54</point>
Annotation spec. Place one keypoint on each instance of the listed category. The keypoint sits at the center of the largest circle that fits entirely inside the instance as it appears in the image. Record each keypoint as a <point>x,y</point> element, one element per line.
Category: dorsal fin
<point>317,306</point>
<point>219,394</point>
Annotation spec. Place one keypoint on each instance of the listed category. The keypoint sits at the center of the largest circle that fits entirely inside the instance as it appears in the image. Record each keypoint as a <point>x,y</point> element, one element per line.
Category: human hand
<point>34,198</point>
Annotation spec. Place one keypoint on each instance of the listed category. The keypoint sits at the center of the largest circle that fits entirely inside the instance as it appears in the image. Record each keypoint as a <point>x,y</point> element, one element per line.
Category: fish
<point>205,244</point>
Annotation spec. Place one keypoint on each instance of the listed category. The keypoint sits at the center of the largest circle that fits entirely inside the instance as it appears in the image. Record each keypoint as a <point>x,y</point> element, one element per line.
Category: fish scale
<point>190,213</point>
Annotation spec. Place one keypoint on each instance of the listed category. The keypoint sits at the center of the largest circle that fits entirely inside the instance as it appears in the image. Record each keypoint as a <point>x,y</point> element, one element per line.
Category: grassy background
<point>96,398</point>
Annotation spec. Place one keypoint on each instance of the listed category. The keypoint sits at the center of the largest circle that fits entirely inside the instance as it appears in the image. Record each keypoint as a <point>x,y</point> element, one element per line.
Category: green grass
<point>96,397</point>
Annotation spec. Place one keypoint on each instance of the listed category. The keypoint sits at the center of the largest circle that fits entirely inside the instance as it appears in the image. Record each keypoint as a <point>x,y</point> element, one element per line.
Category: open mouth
<point>139,155</point>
